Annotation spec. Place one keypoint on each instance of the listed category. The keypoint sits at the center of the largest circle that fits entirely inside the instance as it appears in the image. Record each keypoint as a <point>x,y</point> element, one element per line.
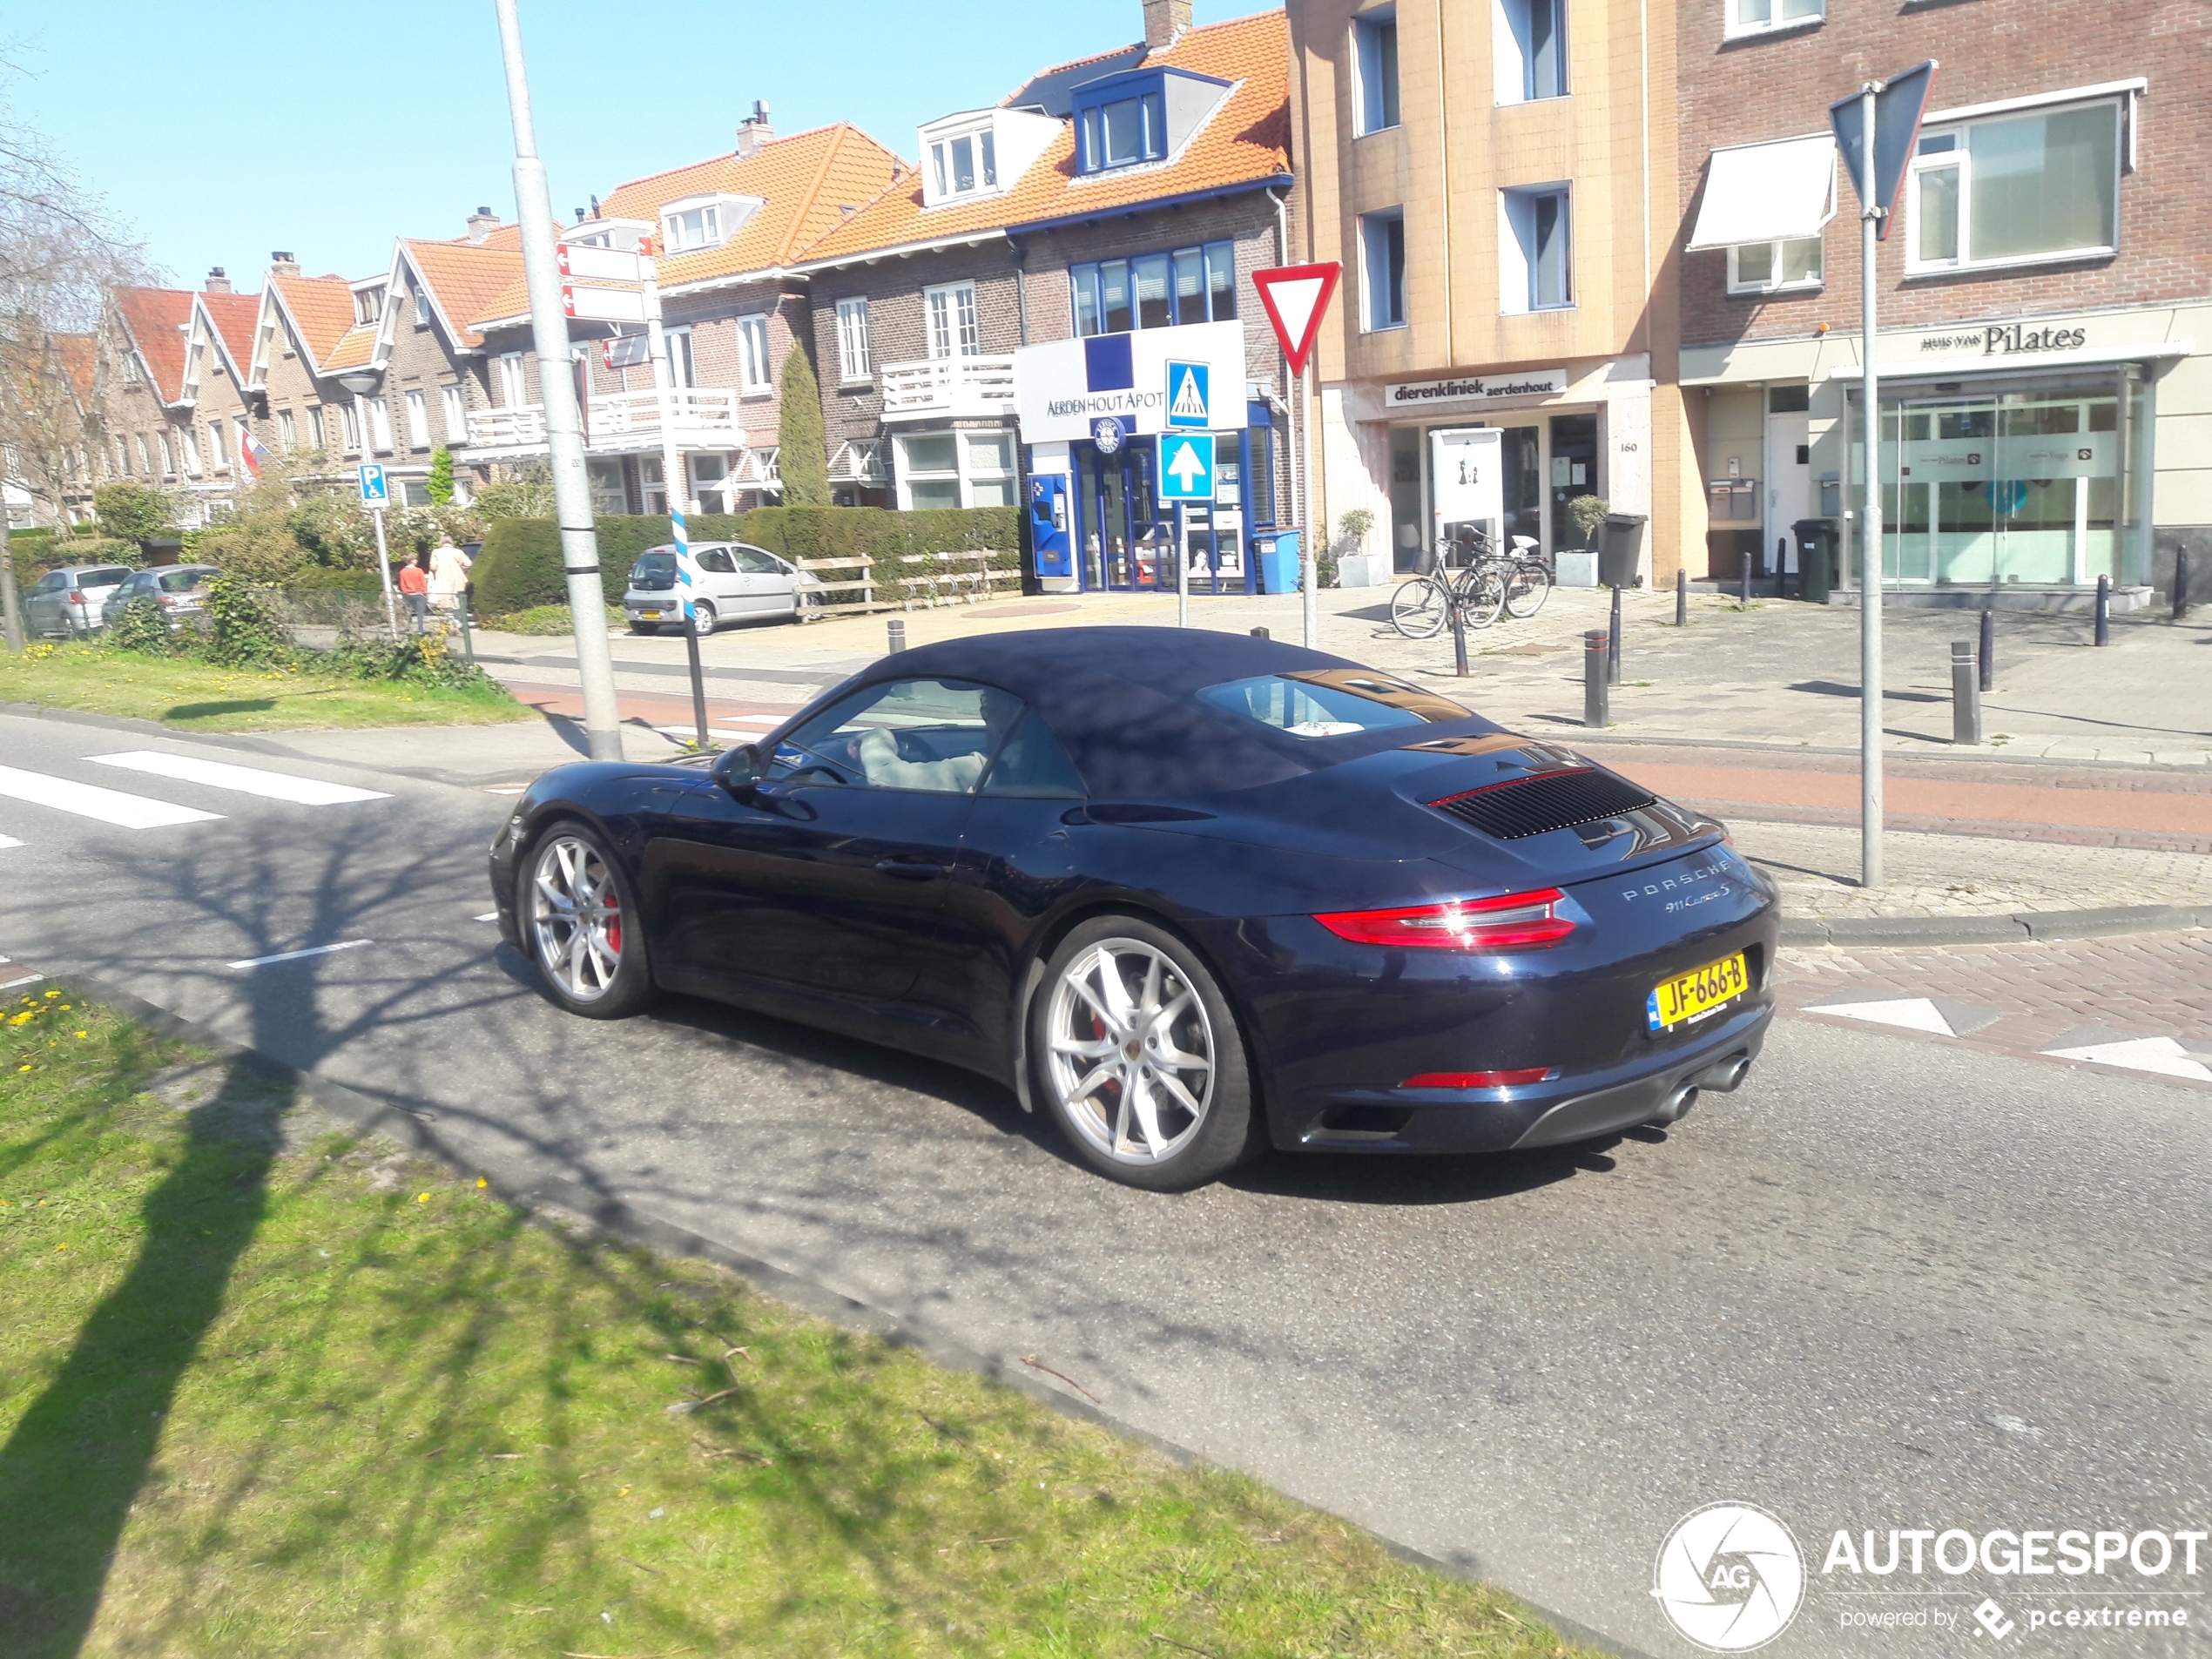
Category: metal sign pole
<point>1869,539</point>
<point>384,573</point>
<point>1311,574</point>
<point>1182,567</point>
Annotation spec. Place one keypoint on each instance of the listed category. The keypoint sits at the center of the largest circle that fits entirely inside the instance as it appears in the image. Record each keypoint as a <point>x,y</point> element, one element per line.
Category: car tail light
<point>1509,920</point>
<point>1481,1079</point>
<point>164,598</point>
<point>76,597</point>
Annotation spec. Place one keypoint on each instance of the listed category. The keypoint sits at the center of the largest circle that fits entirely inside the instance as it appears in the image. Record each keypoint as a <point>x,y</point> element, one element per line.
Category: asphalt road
<point>1884,1286</point>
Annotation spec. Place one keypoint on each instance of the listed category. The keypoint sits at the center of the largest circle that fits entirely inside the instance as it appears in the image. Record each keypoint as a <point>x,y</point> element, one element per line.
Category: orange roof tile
<point>355,348</point>
<point>79,356</point>
<point>234,315</point>
<point>321,309</point>
<point>1246,141</point>
<point>464,278</point>
<point>806,182</point>
<point>156,320</point>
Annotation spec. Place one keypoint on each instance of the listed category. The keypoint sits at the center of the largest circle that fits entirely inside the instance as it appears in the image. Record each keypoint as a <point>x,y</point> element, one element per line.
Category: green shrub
<point>881,533</point>
<point>134,512</point>
<point>80,549</point>
<point>316,579</point>
<point>422,661</point>
<point>141,627</point>
<point>546,620</point>
<point>515,498</point>
<point>520,567</point>
<point>440,483</point>
<point>336,532</point>
<point>801,456</point>
<point>243,628</point>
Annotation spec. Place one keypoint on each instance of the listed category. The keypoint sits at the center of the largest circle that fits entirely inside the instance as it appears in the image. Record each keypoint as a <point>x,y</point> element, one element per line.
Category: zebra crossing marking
<point>246,781</point>
<point>90,800</point>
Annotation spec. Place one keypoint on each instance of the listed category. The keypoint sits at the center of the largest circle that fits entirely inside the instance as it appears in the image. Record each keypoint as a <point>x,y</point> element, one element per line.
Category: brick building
<point>2041,292</point>
<point>1494,176</point>
<point>724,232</point>
<point>1003,324</point>
<point>145,412</point>
<point>301,321</point>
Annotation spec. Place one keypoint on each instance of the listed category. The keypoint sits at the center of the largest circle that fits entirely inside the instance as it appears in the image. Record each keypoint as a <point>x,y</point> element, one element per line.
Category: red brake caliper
<point>614,928</point>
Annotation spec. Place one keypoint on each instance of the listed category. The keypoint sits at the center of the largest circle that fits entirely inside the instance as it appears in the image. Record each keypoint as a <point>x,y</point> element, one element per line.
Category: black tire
<point>1230,1125</point>
<point>1418,608</point>
<point>629,988</point>
<point>645,627</point>
<point>704,618</point>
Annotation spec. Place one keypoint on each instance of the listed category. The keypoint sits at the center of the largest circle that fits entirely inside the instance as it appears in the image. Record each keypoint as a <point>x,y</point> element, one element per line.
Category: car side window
<point>926,734</point>
<point>178,581</point>
<point>753,562</point>
<point>52,582</point>
<point>1032,763</point>
<point>106,579</point>
<point>716,560</point>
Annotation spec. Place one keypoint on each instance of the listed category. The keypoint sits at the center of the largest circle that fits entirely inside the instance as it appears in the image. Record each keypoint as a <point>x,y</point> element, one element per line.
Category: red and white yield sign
<point>1294,296</point>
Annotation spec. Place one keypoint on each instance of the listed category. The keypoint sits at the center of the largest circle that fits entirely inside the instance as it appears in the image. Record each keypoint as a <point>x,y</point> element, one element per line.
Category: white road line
<point>27,979</point>
<point>250,780</point>
<point>2161,1056</point>
<point>488,915</point>
<point>294,955</point>
<point>88,800</point>
<point>1912,1013</point>
<point>9,840</point>
<point>505,789</point>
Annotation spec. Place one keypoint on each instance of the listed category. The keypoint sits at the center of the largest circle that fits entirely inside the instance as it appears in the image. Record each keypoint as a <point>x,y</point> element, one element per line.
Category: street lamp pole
<point>1869,520</point>
<point>563,423</point>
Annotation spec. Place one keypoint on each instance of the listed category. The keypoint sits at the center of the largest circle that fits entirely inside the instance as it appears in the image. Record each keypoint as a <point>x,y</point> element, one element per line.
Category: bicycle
<point>1477,591</point>
<point>1528,579</point>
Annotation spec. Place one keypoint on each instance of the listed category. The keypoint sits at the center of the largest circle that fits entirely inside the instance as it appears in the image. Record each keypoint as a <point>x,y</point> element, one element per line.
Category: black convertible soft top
<point>1123,702</point>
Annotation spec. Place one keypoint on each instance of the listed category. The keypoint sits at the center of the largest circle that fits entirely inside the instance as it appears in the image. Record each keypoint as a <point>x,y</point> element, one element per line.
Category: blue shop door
<point>1051,538</point>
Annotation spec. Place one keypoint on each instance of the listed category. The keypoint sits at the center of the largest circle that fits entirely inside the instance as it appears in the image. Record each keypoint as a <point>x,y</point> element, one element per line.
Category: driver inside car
<point>877,750</point>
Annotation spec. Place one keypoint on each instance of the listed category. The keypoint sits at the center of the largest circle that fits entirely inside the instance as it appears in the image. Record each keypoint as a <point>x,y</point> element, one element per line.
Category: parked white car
<point>70,600</point>
<point>737,582</point>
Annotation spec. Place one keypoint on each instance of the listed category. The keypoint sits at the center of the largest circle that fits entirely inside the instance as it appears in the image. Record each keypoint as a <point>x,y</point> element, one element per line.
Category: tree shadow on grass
<point>215,711</point>
<point>72,1468</point>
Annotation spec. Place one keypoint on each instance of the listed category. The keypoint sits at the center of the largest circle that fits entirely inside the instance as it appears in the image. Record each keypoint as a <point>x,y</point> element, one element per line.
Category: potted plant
<point>1355,566</point>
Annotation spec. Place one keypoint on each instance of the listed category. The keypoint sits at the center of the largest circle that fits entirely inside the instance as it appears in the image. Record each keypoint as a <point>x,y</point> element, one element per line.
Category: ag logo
<point>1729,1577</point>
<point>1106,433</point>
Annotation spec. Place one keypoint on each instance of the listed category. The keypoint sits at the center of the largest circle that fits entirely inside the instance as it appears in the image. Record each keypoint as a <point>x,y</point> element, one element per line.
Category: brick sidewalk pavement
<point>2141,1004</point>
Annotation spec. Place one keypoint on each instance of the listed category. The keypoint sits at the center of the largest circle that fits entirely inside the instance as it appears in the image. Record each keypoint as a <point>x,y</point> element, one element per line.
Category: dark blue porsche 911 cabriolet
<point>1194,894</point>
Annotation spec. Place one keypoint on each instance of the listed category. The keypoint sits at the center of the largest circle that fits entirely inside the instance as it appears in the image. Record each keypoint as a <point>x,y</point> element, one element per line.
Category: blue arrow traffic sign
<point>1186,465</point>
<point>374,491</point>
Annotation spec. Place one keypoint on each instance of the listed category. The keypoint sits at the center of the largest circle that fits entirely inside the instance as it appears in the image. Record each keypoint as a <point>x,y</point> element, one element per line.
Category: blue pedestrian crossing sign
<point>1187,401</point>
<point>374,491</point>
<point>1186,465</point>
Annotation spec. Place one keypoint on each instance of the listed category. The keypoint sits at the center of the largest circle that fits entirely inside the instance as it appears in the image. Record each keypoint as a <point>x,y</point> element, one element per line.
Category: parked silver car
<point>179,590</point>
<point>69,600</point>
<point>736,581</point>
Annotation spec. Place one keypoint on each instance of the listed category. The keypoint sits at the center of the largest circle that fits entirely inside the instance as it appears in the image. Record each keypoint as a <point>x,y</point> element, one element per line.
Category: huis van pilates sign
<point>2008,340</point>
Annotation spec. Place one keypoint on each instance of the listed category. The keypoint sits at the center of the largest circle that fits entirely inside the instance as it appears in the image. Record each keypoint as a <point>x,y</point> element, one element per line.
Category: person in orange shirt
<point>416,586</point>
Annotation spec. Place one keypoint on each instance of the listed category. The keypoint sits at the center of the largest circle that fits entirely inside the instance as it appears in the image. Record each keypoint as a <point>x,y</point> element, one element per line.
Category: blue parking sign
<point>1187,394</point>
<point>374,491</point>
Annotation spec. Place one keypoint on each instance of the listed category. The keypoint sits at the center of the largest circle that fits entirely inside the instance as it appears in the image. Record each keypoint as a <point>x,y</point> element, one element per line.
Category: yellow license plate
<point>649,615</point>
<point>1689,997</point>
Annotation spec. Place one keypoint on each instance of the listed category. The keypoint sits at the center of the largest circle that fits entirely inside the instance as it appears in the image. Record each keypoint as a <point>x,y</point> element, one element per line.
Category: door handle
<point>910,869</point>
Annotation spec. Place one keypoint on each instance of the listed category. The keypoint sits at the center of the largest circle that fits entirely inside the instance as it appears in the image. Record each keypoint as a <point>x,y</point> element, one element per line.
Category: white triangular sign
<point>1188,405</point>
<point>1294,302</point>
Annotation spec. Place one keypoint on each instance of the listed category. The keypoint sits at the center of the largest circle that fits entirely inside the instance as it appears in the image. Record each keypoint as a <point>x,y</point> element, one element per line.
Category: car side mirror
<point>738,769</point>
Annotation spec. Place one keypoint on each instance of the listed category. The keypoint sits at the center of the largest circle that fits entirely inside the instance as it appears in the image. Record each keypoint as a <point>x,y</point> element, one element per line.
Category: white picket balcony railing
<point>947,386</point>
<point>702,416</point>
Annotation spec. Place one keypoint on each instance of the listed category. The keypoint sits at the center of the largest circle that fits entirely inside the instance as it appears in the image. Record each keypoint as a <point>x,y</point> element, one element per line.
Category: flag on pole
<point>251,449</point>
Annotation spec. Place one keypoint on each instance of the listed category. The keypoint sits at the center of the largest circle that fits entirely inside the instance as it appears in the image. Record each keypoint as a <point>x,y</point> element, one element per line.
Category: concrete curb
<point>544,1198</point>
<point>2111,922</point>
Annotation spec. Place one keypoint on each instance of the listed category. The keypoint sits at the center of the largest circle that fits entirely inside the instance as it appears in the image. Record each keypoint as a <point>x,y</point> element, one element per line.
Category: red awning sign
<point>1294,297</point>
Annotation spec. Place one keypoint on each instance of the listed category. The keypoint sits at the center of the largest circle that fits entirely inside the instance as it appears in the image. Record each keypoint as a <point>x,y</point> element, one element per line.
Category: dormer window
<point>368,304</point>
<point>624,233</point>
<point>1140,116</point>
<point>966,164</point>
<point>703,222</point>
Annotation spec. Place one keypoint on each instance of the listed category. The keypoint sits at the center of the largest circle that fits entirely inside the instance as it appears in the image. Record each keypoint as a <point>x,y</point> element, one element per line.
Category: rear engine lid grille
<point>1550,800</point>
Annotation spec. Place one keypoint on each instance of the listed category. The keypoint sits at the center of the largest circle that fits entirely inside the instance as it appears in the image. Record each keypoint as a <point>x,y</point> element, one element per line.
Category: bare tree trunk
<point>11,608</point>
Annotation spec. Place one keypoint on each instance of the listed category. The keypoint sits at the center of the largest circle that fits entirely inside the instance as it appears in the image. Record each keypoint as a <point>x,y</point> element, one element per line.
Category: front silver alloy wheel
<point>1130,1052</point>
<point>576,917</point>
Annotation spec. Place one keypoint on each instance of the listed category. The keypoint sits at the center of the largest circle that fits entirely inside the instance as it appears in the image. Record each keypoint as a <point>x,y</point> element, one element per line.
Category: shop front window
<point>2011,488</point>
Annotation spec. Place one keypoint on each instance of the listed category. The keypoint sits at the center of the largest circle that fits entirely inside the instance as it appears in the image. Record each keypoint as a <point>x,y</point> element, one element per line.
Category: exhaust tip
<point>1677,1106</point>
<point>1724,1077</point>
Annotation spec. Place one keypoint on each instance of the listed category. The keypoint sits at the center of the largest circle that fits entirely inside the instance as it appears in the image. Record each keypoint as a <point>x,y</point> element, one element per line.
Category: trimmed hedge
<point>520,565</point>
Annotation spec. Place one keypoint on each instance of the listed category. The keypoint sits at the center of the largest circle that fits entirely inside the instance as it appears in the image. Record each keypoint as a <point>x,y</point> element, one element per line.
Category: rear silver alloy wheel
<point>1130,1052</point>
<point>703,617</point>
<point>576,922</point>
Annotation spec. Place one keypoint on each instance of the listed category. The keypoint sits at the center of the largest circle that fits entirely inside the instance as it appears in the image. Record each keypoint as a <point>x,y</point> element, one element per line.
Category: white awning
<point>1763,193</point>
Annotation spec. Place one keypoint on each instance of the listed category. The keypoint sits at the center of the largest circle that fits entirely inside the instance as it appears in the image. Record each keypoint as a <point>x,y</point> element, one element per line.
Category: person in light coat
<point>448,576</point>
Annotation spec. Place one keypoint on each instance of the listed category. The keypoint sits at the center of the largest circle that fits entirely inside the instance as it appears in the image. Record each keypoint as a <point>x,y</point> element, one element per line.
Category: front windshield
<point>1331,702</point>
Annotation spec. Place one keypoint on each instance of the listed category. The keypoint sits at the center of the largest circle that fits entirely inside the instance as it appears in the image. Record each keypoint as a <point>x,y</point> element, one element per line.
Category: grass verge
<point>268,1389</point>
<point>549,620</point>
<point>194,697</point>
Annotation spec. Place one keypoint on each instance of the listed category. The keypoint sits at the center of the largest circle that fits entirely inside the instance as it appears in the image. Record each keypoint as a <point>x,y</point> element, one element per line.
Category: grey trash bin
<point>1620,549</point>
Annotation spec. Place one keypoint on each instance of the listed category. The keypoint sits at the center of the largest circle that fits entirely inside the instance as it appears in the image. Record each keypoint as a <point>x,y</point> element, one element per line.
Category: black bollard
<point>1988,655</point>
<point>1613,647</point>
<point>1965,693</point>
<point>1459,637</point>
<point>1681,598</point>
<point>2180,582</point>
<point>1259,633</point>
<point>2104,610</point>
<point>896,628</point>
<point>1595,647</point>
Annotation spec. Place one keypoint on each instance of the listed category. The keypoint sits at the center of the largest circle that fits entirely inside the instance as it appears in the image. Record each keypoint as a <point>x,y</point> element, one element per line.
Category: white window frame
<point>2122,99</point>
<point>132,373</point>
<point>514,383</point>
<point>683,365</point>
<point>349,429</point>
<point>974,471</point>
<point>1776,284</point>
<point>379,424</point>
<point>418,418</point>
<point>287,425</point>
<point>983,156</point>
<point>720,216</point>
<point>1510,62</point>
<point>856,347</point>
<point>1363,24</point>
<point>907,475</point>
<point>1735,27</point>
<point>369,300</point>
<point>217,448</point>
<point>191,451</point>
<point>955,325</point>
<point>1370,223</point>
<point>756,375</point>
<point>1524,301</point>
<point>455,399</point>
<point>317,430</point>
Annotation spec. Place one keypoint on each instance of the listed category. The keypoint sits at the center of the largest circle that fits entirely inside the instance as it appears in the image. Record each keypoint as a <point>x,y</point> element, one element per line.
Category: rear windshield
<point>1331,702</point>
<point>654,564</point>
<point>178,581</point>
<point>103,578</point>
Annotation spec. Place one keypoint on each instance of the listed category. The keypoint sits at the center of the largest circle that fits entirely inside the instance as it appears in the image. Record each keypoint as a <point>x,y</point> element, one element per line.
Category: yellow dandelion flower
<point>80,1033</point>
<point>53,994</point>
<point>422,1198</point>
<point>482,1182</point>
